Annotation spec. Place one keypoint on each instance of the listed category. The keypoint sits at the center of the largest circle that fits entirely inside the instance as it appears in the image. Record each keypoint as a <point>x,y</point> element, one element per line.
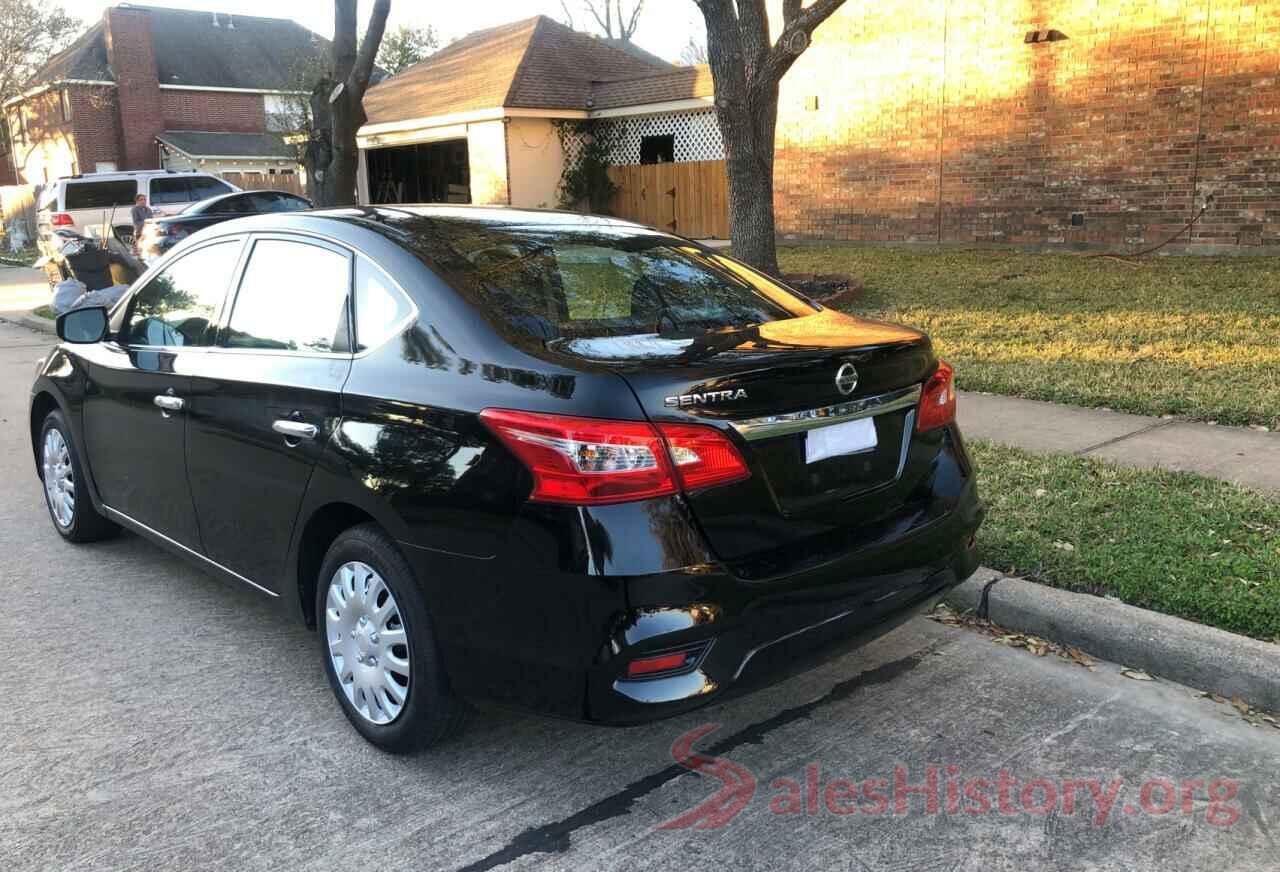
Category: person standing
<point>140,213</point>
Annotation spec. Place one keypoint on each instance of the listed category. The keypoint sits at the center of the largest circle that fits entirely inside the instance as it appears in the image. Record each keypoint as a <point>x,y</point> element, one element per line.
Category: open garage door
<point>428,172</point>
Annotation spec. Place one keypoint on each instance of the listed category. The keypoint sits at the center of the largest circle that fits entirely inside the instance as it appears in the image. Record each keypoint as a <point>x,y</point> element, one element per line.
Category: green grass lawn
<point>1173,542</point>
<point>1191,336</point>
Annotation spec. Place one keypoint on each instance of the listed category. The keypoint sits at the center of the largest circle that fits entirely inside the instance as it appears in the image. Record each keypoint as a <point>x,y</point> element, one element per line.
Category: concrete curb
<point>1182,651</point>
<point>33,322</point>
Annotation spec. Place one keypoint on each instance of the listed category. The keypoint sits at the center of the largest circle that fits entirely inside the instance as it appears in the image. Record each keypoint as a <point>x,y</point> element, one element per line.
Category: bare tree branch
<point>568,16</point>
<point>795,36</point>
<point>607,22</point>
<point>635,19</point>
<point>369,48</point>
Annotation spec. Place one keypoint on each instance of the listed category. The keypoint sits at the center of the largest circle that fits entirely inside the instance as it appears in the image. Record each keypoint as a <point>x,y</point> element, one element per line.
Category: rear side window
<point>293,297</point>
<point>169,191</point>
<point>100,195</point>
<point>204,187</point>
<point>178,306</point>
<point>381,309</point>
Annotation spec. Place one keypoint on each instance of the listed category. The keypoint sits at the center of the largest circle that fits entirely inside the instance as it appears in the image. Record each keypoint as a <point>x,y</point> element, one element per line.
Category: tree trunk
<point>748,144</point>
<point>337,107</point>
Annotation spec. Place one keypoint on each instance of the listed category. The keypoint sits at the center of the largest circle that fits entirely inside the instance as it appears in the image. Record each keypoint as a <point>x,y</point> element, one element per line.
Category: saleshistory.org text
<point>944,789</point>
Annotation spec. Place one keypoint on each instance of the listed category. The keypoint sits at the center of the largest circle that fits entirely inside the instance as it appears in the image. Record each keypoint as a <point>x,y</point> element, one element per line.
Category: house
<point>491,118</point>
<point>149,87</point>
<point>1056,125</point>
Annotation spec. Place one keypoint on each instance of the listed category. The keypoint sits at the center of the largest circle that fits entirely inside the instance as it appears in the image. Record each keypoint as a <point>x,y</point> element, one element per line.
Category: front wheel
<point>377,646</point>
<point>65,494</point>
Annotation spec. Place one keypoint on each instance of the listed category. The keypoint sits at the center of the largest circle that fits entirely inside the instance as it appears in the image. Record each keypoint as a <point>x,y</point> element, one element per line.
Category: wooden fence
<point>264,182</point>
<point>690,198</point>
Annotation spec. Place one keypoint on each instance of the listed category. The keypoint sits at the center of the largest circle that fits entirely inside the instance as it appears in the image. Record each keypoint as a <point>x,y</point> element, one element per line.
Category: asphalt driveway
<point>157,719</point>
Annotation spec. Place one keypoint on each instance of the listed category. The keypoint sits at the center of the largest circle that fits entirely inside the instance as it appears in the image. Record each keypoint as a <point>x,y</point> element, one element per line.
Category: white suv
<point>96,199</point>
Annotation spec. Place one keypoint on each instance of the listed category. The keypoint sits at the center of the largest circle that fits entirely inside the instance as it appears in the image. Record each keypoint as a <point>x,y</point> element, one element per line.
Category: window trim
<point>150,276</point>
<point>224,322</point>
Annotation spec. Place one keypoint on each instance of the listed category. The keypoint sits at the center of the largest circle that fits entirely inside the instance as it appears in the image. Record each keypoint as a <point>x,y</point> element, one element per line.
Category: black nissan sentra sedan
<point>559,462</point>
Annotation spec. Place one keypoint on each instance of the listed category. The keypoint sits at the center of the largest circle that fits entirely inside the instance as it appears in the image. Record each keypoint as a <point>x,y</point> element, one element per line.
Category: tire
<point>65,493</point>
<point>426,712</point>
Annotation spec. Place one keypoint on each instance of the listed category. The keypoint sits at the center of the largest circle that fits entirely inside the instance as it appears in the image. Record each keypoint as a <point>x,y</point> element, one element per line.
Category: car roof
<point>126,175</point>
<point>373,216</point>
<point>210,201</point>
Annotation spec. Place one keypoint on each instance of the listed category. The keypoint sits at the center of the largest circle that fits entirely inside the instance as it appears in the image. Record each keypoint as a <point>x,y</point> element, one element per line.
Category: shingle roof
<point>84,59</point>
<point>536,63</point>
<point>243,51</point>
<point>198,143</point>
<point>681,84</point>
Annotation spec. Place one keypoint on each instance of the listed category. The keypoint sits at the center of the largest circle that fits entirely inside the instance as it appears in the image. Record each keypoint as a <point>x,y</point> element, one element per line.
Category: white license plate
<point>847,438</point>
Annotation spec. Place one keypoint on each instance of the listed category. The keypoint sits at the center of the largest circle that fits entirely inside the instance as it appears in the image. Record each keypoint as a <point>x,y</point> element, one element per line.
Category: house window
<point>658,149</point>
<point>17,130</point>
<point>65,101</point>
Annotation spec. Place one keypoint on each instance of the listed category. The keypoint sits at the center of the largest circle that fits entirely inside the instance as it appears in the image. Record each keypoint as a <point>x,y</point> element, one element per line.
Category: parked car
<point>79,202</point>
<point>161,234</point>
<point>561,462</point>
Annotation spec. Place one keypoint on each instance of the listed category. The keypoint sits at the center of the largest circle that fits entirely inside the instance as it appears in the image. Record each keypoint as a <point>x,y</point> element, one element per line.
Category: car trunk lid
<point>815,443</point>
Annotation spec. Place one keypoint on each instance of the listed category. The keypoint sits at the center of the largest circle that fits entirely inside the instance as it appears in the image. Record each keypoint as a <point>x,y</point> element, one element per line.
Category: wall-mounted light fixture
<point>1037,36</point>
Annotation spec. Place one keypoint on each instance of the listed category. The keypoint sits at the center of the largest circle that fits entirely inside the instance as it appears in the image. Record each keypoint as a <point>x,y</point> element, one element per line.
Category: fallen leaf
<point>1064,546</point>
<point>1135,674</point>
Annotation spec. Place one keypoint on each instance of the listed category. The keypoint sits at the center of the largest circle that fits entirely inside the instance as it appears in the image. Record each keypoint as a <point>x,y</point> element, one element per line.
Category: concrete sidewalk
<point>1247,457</point>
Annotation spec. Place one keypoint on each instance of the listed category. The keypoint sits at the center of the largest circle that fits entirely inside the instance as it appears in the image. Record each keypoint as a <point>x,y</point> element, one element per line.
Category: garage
<point>425,172</point>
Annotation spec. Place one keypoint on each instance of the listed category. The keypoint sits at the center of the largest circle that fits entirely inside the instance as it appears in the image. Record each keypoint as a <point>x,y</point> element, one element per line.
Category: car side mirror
<point>83,326</point>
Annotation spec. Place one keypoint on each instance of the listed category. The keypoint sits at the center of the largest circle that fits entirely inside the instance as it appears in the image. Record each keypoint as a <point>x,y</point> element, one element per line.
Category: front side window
<point>293,297</point>
<point>178,307</point>
<point>100,195</point>
<point>168,191</point>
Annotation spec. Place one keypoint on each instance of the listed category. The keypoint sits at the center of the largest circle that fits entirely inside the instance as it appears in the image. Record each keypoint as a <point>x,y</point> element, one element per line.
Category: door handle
<point>167,404</point>
<point>295,429</point>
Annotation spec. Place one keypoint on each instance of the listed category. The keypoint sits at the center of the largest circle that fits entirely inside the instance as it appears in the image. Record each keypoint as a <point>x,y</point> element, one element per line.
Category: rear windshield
<point>100,195</point>
<point>574,283</point>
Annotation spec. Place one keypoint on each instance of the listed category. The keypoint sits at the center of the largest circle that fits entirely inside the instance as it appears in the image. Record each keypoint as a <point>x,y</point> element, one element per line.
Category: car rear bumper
<point>773,629</point>
<point>558,640</point>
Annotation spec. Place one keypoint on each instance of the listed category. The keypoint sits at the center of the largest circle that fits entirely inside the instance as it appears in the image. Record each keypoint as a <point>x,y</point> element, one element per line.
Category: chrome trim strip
<point>756,650</point>
<point>809,419</point>
<point>131,522</point>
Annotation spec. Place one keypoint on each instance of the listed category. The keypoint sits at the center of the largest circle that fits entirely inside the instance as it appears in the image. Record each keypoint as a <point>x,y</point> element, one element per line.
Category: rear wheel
<point>377,646</point>
<point>61,471</point>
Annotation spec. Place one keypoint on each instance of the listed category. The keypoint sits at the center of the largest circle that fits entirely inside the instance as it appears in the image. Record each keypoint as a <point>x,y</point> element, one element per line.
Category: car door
<point>135,405</point>
<point>267,398</point>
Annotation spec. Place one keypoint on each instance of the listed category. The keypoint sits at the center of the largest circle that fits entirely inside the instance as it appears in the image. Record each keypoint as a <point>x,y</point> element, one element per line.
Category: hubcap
<point>59,478</point>
<point>368,645</point>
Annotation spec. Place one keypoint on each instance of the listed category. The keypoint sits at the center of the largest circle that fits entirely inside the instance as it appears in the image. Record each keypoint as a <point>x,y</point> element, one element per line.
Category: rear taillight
<point>938,400</point>
<point>61,219</point>
<point>589,461</point>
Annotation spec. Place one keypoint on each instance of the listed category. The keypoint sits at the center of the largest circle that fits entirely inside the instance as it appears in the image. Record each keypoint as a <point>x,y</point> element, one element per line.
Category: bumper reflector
<point>660,663</point>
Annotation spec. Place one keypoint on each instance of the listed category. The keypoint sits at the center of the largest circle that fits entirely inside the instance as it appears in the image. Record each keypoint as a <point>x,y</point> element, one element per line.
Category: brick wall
<point>43,145</point>
<point>132,56</point>
<point>96,124</point>
<point>212,110</point>
<point>935,121</point>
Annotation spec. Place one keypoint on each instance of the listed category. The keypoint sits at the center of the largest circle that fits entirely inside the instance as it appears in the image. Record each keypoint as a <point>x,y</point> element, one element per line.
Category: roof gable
<point>536,63</point>
<point>85,59</point>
